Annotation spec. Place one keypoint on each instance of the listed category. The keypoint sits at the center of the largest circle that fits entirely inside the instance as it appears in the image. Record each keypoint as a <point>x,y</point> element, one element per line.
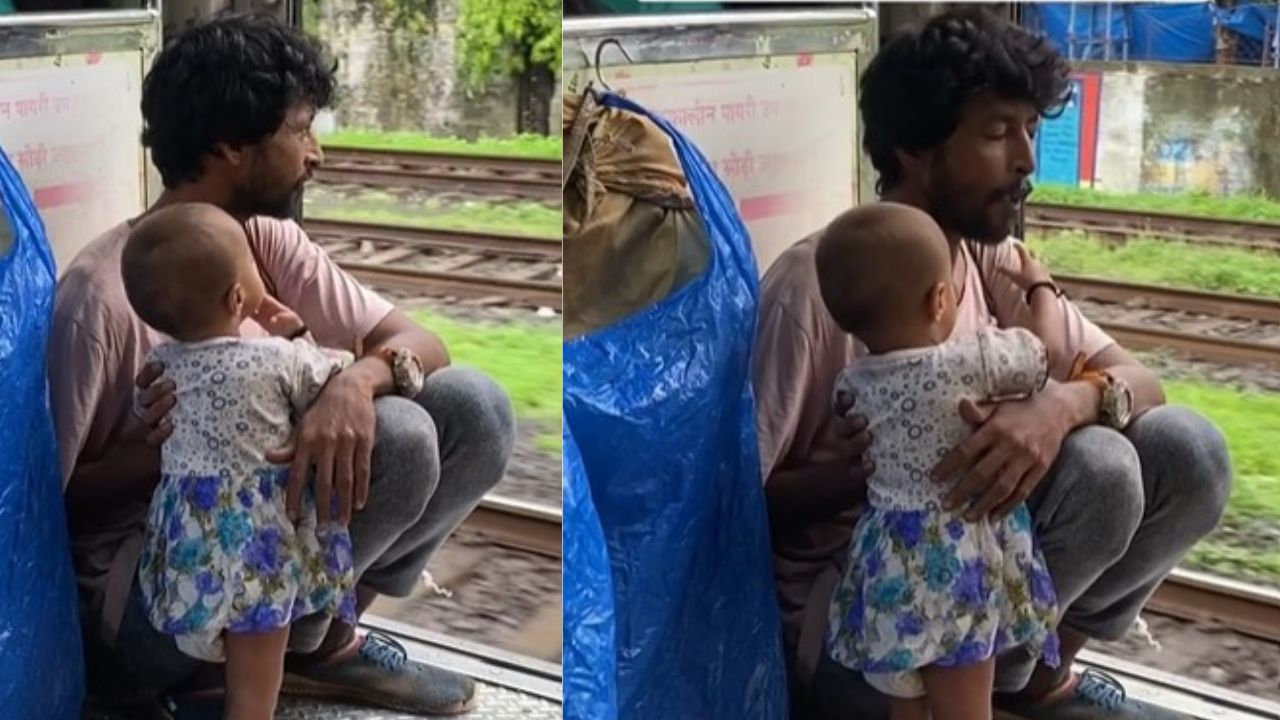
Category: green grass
<point>1238,207</point>
<point>524,358</point>
<point>1251,422</point>
<point>1162,262</point>
<point>515,218</point>
<point>523,146</point>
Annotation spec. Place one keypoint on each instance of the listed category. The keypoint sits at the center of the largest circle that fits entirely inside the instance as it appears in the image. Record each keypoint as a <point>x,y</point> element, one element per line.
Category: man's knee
<point>406,456</point>
<point>472,399</point>
<point>478,409</point>
<point>1190,457</point>
<point>1106,484</point>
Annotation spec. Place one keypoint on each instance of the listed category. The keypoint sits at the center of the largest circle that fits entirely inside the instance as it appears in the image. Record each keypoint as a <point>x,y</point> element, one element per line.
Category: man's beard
<point>252,201</point>
<point>957,211</point>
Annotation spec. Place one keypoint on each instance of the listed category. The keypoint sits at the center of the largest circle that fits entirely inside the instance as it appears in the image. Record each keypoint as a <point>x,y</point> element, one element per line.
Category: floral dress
<point>923,586</point>
<point>220,552</point>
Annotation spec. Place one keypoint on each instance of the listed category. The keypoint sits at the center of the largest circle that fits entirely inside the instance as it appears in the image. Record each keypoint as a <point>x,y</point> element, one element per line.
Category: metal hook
<point>600,51</point>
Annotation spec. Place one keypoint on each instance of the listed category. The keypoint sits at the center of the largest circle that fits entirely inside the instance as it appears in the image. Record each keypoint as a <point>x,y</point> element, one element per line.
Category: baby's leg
<point>908,708</point>
<point>905,692</point>
<point>960,693</point>
<point>255,666</point>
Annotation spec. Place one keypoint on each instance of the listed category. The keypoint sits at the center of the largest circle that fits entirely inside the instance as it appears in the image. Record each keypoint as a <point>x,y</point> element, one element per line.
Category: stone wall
<point>398,80</point>
<point>1169,128</point>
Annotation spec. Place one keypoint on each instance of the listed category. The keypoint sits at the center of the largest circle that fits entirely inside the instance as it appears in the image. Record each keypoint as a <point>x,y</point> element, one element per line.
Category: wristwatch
<point>406,370</point>
<point>1116,408</point>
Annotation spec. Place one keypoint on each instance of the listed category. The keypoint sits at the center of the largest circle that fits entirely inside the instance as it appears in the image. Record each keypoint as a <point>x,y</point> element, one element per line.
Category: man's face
<point>978,178</point>
<point>279,166</point>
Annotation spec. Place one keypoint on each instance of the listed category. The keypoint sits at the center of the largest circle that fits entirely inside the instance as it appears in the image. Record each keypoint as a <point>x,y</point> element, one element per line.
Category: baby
<point>929,598</point>
<point>223,569</point>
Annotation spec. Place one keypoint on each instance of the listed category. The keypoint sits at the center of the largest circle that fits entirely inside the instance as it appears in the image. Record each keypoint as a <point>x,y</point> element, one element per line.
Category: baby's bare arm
<point>1044,317</point>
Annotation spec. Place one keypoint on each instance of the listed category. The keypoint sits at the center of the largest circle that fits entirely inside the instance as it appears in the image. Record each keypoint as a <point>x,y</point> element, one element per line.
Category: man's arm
<point>1016,443</point>
<point>129,470</point>
<point>798,496</point>
<point>396,330</point>
<point>1078,402</point>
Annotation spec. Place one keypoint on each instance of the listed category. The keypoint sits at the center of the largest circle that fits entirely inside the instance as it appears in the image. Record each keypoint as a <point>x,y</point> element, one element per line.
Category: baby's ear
<point>234,299</point>
<point>937,301</point>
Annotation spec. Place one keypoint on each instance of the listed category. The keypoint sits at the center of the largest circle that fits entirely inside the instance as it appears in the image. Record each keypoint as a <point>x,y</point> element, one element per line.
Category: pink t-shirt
<point>799,353</point>
<point>97,346</point>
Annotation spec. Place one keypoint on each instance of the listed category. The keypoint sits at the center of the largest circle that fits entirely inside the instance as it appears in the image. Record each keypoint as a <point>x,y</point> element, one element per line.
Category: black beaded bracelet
<point>298,333</point>
<point>1057,291</point>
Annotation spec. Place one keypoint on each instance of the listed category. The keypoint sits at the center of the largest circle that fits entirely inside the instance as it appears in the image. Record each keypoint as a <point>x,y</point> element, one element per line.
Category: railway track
<point>1252,235</point>
<point>520,270</point>
<point>1246,609</point>
<point>1187,595</point>
<point>497,582</point>
<point>1195,345</point>
<point>526,178</point>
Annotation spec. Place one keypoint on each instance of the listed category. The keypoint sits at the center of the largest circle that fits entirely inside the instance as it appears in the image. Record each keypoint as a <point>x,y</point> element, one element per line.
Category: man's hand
<point>854,438</point>
<point>335,436</point>
<point>155,400</point>
<point>1003,461</point>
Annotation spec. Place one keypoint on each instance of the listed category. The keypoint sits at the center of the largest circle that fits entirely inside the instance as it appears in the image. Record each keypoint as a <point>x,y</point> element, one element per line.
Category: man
<point>1120,485</point>
<point>227,110</point>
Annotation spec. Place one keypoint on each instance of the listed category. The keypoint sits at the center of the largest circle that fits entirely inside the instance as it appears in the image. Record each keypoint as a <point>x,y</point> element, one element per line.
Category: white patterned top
<point>236,398</point>
<point>911,399</point>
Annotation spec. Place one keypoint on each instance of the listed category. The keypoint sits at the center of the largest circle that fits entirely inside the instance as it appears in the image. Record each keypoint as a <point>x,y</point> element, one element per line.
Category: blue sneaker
<point>380,674</point>
<point>1096,696</point>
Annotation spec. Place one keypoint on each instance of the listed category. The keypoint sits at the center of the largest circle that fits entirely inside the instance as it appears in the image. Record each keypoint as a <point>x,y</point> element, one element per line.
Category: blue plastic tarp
<point>589,653</point>
<point>1155,31</point>
<point>1090,24</point>
<point>1172,32</point>
<point>41,660</point>
<point>661,408</point>
<point>1249,21</point>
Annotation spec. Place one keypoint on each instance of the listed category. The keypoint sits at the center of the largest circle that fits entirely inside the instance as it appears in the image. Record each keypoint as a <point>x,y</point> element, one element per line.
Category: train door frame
<point>51,97</point>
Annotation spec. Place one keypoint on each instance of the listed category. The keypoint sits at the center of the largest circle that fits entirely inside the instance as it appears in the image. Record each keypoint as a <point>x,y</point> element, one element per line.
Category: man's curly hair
<point>229,79</point>
<point>913,90</point>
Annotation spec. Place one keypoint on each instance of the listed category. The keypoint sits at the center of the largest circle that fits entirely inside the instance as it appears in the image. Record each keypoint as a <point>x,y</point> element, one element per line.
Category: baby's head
<point>884,271</point>
<point>189,273</point>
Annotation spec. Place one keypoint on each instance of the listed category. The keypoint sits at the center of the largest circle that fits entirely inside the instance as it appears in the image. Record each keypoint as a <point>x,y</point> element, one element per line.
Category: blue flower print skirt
<point>928,588</point>
<point>221,554</point>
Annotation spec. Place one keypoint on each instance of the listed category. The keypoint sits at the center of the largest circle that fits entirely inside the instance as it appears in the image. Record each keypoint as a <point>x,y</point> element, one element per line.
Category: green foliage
<point>416,17</point>
<point>1235,207</point>
<point>1243,547</point>
<point>507,37</point>
<point>1162,262</point>
<point>523,146</point>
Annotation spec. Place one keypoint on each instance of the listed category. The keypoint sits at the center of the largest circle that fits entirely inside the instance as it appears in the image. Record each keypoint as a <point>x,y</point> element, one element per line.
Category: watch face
<point>408,371</point>
<point>1119,402</point>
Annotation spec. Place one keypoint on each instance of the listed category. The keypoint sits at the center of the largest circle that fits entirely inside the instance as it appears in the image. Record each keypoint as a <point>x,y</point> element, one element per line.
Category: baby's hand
<point>277,319</point>
<point>1029,271</point>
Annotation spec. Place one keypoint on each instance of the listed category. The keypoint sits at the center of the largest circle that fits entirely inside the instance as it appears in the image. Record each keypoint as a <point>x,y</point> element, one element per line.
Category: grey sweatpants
<point>434,458</point>
<point>1114,515</point>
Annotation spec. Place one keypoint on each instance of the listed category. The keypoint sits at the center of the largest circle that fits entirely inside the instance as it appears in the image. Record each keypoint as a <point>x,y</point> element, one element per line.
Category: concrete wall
<point>396,80</point>
<point>1178,128</point>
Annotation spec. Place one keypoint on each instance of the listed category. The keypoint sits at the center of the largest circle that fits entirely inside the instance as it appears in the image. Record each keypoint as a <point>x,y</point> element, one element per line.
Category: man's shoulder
<point>91,292</point>
<point>264,228</point>
<point>791,282</point>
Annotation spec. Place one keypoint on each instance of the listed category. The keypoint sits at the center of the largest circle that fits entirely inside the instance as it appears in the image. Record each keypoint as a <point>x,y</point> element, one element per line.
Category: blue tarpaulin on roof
<point>1157,31</point>
<point>1090,22</point>
<point>1250,21</point>
<point>1172,32</point>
